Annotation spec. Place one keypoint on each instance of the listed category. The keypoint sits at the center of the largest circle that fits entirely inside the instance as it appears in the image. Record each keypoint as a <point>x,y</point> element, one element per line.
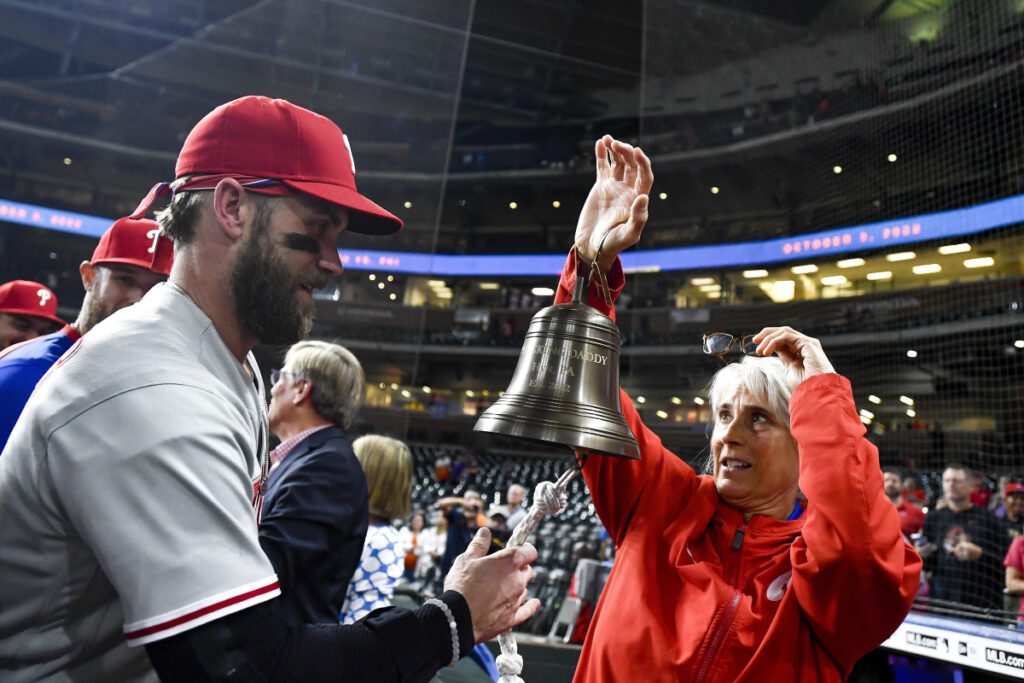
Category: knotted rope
<point>548,499</point>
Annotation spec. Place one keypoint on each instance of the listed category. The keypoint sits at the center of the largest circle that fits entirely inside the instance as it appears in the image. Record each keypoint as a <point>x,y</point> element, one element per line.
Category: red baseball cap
<point>135,243</point>
<point>1013,487</point>
<point>24,297</point>
<point>262,140</point>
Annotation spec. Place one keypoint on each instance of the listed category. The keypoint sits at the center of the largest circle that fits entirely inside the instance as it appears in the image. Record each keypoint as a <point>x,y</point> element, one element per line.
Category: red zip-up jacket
<point>697,594</point>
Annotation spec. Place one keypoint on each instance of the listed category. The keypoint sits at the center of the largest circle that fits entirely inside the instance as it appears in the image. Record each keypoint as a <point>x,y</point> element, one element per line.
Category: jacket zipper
<point>730,613</point>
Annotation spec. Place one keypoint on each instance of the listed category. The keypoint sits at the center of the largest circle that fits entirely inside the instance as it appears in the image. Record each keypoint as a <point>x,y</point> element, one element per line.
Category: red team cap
<point>274,147</point>
<point>1013,487</point>
<point>135,243</point>
<point>24,297</point>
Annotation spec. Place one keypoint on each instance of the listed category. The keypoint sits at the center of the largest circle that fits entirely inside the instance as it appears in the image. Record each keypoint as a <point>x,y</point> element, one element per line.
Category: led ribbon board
<point>827,243</point>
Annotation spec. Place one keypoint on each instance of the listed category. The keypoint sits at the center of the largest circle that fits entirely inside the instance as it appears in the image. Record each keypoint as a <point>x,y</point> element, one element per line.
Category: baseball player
<point>129,536</point>
<point>27,310</point>
<point>130,258</point>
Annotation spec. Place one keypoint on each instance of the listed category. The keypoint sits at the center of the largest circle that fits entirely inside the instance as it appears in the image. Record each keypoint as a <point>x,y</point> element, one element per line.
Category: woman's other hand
<point>802,355</point>
<point>616,208</point>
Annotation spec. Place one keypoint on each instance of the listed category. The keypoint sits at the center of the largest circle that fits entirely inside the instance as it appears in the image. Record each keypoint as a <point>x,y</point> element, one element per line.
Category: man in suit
<point>315,511</point>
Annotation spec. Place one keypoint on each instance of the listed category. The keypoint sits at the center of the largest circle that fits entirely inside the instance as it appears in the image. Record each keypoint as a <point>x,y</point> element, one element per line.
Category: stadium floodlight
<point>927,269</point>
<point>851,263</point>
<point>754,274</point>
<point>699,281</point>
<point>804,269</point>
<point>901,256</point>
<point>880,275</point>
<point>960,248</point>
<point>982,262</point>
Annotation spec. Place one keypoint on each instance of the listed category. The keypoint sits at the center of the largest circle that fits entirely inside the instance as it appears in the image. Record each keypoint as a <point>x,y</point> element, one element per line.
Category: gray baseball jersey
<point>126,497</point>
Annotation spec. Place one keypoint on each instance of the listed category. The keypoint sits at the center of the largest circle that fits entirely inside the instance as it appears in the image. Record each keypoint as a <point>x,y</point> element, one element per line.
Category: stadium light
<point>641,399</point>
<point>892,158</point>
<point>804,269</point>
<point>698,281</point>
<point>880,275</point>
<point>948,249</point>
<point>407,205</point>
<point>754,274</point>
<point>662,414</point>
<point>391,278</point>
<point>982,262</point>
<point>394,386</point>
<point>907,400</point>
<point>714,189</point>
<point>911,353</point>
<point>901,256</point>
<point>542,291</point>
<point>392,296</point>
<point>698,400</point>
<point>710,288</point>
<point>717,294</point>
<point>489,285</point>
<point>663,195</point>
<point>867,413</point>
<point>426,389</point>
<point>851,263</point>
<point>837,169</point>
<point>834,280</point>
<point>556,203</point>
<point>927,269</point>
<point>373,277</point>
<point>381,285</point>
<point>911,413</point>
<point>676,400</point>
<point>435,283</point>
<point>874,399</point>
<point>67,161</point>
<point>1019,343</point>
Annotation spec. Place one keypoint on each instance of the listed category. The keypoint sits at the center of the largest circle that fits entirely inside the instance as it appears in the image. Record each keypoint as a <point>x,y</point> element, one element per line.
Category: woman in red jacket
<point>786,562</point>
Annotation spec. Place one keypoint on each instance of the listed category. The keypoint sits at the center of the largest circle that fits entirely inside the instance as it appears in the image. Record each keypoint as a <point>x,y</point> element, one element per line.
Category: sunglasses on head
<point>721,343</point>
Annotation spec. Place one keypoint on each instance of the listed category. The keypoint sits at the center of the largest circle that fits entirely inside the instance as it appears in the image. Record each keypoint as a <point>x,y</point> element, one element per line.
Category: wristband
<point>451,624</point>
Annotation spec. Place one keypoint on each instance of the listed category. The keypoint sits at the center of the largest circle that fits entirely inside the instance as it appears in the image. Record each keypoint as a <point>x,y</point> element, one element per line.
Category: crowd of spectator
<point>969,534</point>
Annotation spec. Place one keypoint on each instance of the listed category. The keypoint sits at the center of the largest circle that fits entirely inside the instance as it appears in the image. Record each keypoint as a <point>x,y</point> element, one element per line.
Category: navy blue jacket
<point>313,525</point>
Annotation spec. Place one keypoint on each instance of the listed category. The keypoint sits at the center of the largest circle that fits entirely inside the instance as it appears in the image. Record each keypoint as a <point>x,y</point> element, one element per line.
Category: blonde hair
<point>764,378</point>
<point>337,377</point>
<point>387,464</point>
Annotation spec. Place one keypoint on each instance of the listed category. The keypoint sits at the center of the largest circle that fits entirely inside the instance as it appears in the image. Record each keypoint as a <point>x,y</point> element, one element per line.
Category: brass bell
<point>565,389</point>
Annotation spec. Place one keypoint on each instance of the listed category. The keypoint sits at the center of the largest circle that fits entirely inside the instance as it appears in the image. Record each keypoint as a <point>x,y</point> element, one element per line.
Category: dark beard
<point>264,290</point>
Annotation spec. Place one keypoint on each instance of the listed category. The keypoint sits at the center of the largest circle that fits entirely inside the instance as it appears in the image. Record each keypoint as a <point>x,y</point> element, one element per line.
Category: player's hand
<point>801,355</point>
<point>616,208</point>
<point>494,586</point>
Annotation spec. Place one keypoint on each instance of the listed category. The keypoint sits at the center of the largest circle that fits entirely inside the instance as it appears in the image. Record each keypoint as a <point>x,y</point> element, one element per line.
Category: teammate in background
<point>911,515</point>
<point>128,488</point>
<point>27,310</point>
<point>130,258</point>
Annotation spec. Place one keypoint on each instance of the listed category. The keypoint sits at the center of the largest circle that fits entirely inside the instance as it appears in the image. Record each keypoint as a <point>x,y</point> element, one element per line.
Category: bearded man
<point>128,487</point>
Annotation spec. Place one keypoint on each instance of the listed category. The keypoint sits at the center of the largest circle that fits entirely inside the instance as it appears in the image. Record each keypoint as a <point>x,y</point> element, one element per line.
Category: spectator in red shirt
<point>1013,495</point>
<point>911,515</point>
<point>1014,564</point>
<point>982,494</point>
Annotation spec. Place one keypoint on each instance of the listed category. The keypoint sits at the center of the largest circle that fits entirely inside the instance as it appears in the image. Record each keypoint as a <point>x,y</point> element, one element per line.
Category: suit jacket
<point>313,525</point>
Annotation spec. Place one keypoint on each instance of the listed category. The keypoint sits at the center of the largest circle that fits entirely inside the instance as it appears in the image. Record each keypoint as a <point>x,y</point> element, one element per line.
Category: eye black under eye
<point>299,242</point>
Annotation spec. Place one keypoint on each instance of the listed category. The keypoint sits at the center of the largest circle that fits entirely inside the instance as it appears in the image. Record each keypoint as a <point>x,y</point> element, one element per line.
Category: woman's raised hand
<point>616,208</point>
<point>802,355</point>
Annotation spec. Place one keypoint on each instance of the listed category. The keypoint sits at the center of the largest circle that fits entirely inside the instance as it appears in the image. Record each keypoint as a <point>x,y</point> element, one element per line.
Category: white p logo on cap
<point>44,296</point>
<point>154,235</point>
<point>351,158</point>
